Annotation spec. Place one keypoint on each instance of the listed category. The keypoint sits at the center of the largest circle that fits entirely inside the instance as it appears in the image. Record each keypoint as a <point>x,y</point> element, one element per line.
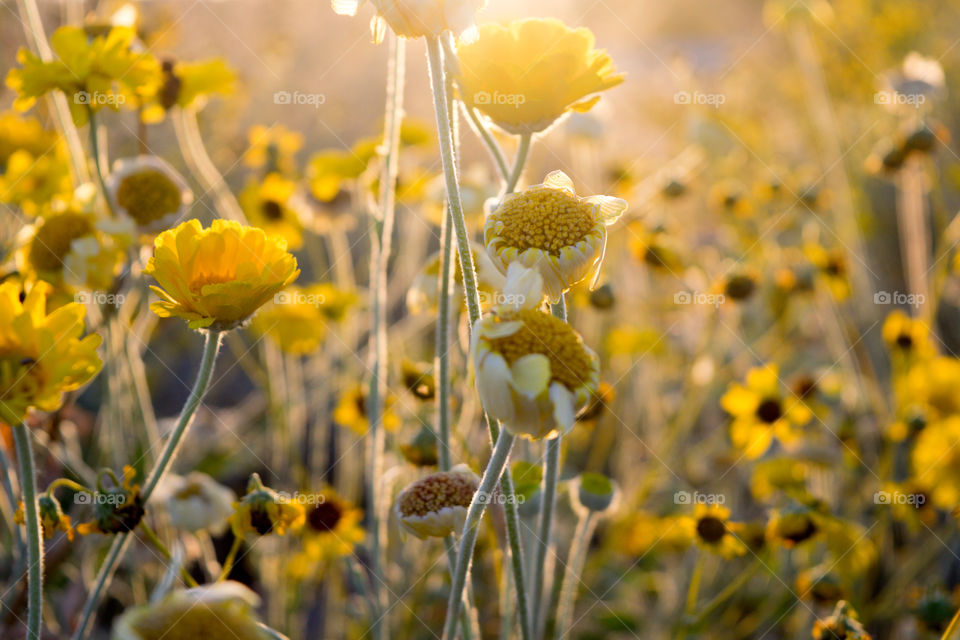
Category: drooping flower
<point>219,276</point>
<point>149,191</point>
<point>548,227</point>
<point>436,505</point>
<point>533,371</point>
<point>195,502</point>
<point>117,508</point>
<point>52,518</point>
<point>263,511</point>
<point>220,610</point>
<point>526,74</point>
<point>417,18</point>
<point>273,205</point>
<point>42,355</point>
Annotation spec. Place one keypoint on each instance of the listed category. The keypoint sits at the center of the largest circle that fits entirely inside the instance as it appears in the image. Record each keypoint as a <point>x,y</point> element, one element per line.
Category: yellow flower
<point>19,133</point>
<point>148,191</point>
<point>424,291</point>
<point>331,529</point>
<point>104,70</point>
<point>272,205</point>
<point>936,462</point>
<point>549,228</point>
<point>711,529</point>
<point>640,532</point>
<point>416,18</point>
<point>729,196</point>
<point>436,505</point>
<point>188,85</point>
<point>761,412</point>
<point>527,74</point>
<point>351,411</point>
<point>31,182</point>
<point>273,147</point>
<point>297,319</point>
<point>929,389</point>
<point>831,265</point>
<point>217,277</point>
<point>907,338</point>
<point>794,524</point>
<point>219,610</point>
<point>532,369</point>
<point>263,511</point>
<point>42,355</point>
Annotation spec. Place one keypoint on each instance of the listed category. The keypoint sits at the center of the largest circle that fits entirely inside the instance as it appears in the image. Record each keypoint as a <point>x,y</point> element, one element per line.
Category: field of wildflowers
<point>478,319</point>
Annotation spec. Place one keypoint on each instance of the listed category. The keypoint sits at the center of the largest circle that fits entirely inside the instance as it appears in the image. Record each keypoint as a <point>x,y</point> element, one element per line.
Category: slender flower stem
<point>383,233</point>
<point>571,577</point>
<point>523,149</point>
<point>6,469</point>
<point>491,476</point>
<point>231,558</point>
<point>155,540</point>
<point>443,316</point>
<point>97,158</point>
<point>122,541</point>
<point>31,512</point>
<point>206,173</point>
<point>468,617</point>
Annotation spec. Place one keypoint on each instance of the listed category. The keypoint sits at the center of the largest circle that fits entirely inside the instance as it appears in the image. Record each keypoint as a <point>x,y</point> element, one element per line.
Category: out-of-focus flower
<point>729,196</point>
<point>640,532</point>
<point>42,355</point>
<point>739,286</point>
<point>532,369</point>
<point>831,266</point>
<point>220,610</point>
<point>843,623</point>
<point>476,189</point>
<point>298,318</point>
<point>117,508</point>
<point>421,450</point>
<point>594,492</point>
<point>436,505</point>
<point>52,518</point>
<point>919,79</point>
<point>263,511</point>
<point>424,291</point>
<point>351,411</point>
<point>936,462</point>
<point>195,502</point>
<point>417,18</point>
<point>711,529</point>
<point>907,338</point>
<point>822,584</point>
<point>273,205</point>
<point>32,182</point>
<point>331,529</point>
<point>329,170</point>
<point>418,379</point>
<point>188,85</point>
<point>600,402</point>
<point>97,72</point>
<point>761,411</point>
<point>219,276</point>
<point>22,133</point>
<point>780,475</point>
<point>149,191</point>
<point>549,228</point>
<point>273,148</point>
<point>526,74</point>
<point>929,389</point>
<point>793,524</point>
<point>654,247</point>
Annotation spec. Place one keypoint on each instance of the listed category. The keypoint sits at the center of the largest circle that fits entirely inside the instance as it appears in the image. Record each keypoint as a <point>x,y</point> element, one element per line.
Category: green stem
<point>230,559</point>
<point>491,476</point>
<point>31,512</point>
<point>121,541</point>
<point>468,615</point>
<point>95,152</point>
<point>519,162</point>
<point>155,540</point>
<point>578,554</point>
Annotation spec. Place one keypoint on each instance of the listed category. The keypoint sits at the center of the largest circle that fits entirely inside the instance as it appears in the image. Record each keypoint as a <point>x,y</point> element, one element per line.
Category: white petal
<point>493,385</point>
<point>558,180</point>
<point>610,208</point>
<point>345,7</point>
<point>531,374</point>
<point>493,330</point>
<point>524,285</point>
<point>563,409</point>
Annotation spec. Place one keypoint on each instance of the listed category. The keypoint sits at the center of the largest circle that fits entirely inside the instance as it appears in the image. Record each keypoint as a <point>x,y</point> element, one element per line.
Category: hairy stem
<point>31,513</point>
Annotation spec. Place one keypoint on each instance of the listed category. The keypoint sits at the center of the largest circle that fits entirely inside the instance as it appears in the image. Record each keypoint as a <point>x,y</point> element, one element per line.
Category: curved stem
<point>31,512</point>
<point>523,149</point>
<point>155,540</point>
<point>230,559</point>
<point>97,158</point>
<point>121,541</point>
<point>491,476</point>
<point>201,166</point>
<point>578,554</point>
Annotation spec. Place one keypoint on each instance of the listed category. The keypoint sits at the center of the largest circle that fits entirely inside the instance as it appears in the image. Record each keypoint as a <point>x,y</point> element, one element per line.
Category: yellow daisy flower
<point>274,148</point>
<point>532,370</point>
<point>526,74</point>
<point>31,182</point>
<point>761,411</point>
<point>417,18</point>
<point>97,72</point>
<point>219,276</point>
<point>929,389</point>
<point>436,505</point>
<point>263,511</point>
<point>149,191</point>
<point>188,85</point>
<point>297,318</point>
<point>548,227</point>
<point>711,529</point>
<point>331,529</point>
<point>272,204</point>
<point>831,266</point>
<point>936,462</point>
<point>42,355</point>
<point>907,338</point>
<point>793,524</point>
<point>351,411</point>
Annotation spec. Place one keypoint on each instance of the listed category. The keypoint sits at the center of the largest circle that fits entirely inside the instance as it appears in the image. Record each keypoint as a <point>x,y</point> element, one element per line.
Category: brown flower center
<point>711,529</point>
<point>769,410</point>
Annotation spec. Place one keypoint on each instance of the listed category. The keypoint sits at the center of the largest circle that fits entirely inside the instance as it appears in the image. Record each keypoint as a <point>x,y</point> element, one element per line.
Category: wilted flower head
<point>52,518</point>
<point>416,18</point>
<point>263,511</point>
<point>117,508</point>
<point>149,191</point>
<point>548,227</point>
<point>436,505</point>
<point>195,502</point>
<point>220,610</point>
<point>217,277</point>
<point>532,369</point>
<point>526,74</point>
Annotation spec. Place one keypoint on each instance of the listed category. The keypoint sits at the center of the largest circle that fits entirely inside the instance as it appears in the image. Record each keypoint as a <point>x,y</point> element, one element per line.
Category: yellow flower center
<point>51,242</point>
<point>545,218</point>
<point>148,195</point>
<point>435,492</point>
<point>570,364</point>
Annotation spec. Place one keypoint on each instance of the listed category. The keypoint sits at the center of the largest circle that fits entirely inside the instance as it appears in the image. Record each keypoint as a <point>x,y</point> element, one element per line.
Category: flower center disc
<point>545,218</point>
<point>711,529</point>
<point>148,195</point>
<point>436,492</point>
<point>542,333</point>
<point>324,516</point>
<point>51,243</point>
<point>769,411</point>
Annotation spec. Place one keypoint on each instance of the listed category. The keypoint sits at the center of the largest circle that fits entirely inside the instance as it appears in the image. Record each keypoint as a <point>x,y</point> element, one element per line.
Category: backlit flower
<point>907,338</point>
<point>424,291</point>
<point>436,505</point>
<point>298,319</point>
<point>195,502</point>
<point>351,411</point>
<point>219,276</point>
<point>149,191</point>
<point>188,85</point>
<point>273,148</point>
<point>117,508</point>
<point>42,355</point>
<point>532,370</point>
<point>526,74</point>
<point>416,18</point>
<point>843,623</point>
<point>550,228</point>
<point>711,528</point>
<point>273,205</point>
<point>52,518</point>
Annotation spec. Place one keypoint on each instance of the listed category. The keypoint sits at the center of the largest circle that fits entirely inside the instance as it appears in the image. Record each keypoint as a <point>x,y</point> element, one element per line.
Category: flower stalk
<point>31,510</point>
<point>571,577</point>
